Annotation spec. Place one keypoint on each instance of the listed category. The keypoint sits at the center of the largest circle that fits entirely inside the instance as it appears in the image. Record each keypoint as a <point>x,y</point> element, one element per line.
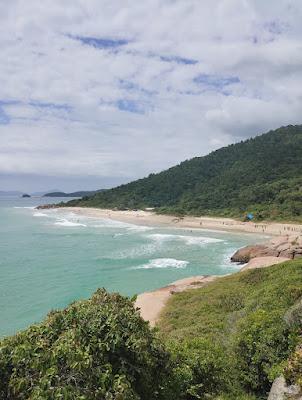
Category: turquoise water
<point>50,258</point>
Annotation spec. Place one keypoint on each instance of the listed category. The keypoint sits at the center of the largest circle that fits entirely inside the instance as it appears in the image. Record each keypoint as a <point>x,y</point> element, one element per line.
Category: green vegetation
<point>252,323</point>
<point>225,341</point>
<point>94,349</point>
<point>82,193</point>
<point>262,175</point>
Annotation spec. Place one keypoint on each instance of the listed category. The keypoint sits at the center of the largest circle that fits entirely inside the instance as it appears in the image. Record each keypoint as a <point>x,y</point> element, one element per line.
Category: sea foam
<point>189,240</point>
<point>39,214</point>
<point>163,263</point>
<point>65,222</point>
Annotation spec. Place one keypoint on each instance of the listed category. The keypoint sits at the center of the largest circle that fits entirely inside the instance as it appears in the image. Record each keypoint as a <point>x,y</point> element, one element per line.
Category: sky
<point>94,93</point>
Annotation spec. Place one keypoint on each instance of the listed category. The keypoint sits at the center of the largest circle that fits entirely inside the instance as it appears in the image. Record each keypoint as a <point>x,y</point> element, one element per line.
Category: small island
<point>25,195</point>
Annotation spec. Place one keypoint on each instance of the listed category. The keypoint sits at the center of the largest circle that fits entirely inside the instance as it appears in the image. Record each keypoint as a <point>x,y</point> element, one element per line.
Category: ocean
<point>49,258</point>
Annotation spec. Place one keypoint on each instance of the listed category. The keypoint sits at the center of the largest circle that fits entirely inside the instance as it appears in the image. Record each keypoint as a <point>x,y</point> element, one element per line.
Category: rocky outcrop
<point>281,391</point>
<point>47,206</point>
<point>289,246</point>
<point>245,254</point>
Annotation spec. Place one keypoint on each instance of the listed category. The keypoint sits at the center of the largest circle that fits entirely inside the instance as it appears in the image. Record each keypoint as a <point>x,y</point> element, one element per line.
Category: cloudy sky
<point>98,92</point>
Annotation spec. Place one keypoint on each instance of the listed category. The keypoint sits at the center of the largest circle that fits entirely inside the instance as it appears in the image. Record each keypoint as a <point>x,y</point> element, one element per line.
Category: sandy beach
<point>150,218</point>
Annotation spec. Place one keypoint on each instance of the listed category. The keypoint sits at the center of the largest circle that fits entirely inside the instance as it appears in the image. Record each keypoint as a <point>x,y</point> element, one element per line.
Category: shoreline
<point>151,303</point>
<point>149,218</point>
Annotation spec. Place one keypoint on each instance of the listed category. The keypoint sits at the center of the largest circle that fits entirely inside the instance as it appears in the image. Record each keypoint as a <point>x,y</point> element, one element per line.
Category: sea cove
<point>50,258</point>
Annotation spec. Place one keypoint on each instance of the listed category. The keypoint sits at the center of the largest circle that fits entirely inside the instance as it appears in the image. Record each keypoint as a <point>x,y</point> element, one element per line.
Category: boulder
<point>283,246</point>
<point>245,254</point>
<point>280,390</point>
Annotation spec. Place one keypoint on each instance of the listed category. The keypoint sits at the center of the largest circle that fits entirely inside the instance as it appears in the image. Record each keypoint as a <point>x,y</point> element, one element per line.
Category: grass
<point>243,314</point>
<point>215,309</point>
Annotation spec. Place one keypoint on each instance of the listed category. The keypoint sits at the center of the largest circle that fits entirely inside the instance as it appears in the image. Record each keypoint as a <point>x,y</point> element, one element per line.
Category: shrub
<point>94,349</point>
<point>262,341</point>
<point>255,316</point>
<point>201,368</point>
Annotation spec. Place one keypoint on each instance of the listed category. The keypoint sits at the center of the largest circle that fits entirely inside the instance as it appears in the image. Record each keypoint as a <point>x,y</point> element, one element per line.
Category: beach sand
<point>149,218</point>
<point>152,303</point>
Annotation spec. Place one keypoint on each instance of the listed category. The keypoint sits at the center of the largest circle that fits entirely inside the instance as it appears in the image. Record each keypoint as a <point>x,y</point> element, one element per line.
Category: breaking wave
<point>65,222</point>
<point>189,240</point>
<point>39,214</point>
<point>163,263</point>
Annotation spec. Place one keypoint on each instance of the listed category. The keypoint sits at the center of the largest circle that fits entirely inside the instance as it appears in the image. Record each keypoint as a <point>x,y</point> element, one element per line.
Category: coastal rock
<point>46,206</point>
<point>280,390</point>
<point>245,254</point>
<point>293,316</point>
<point>289,246</point>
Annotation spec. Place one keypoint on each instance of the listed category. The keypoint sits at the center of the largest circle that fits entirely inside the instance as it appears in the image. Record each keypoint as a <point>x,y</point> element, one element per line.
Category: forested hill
<point>262,175</point>
<point>73,194</point>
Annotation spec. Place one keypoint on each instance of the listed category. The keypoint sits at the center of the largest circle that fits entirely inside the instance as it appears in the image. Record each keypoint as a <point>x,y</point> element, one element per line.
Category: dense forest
<point>225,341</point>
<point>262,175</point>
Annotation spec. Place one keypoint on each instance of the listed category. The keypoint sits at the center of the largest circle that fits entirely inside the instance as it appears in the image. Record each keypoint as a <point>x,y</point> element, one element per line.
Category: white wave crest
<point>65,222</point>
<point>189,240</point>
<point>39,214</point>
<point>163,263</point>
<point>140,228</point>
<point>134,252</point>
<point>107,223</point>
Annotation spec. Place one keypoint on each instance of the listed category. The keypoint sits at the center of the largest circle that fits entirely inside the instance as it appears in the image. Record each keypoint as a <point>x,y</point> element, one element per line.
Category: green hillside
<point>241,329</point>
<point>261,175</point>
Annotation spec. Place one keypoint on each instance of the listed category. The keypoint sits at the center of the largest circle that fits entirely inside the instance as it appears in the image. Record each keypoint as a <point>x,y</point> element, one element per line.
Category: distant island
<point>82,193</point>
<point>25,195</point>
<point>260,177</point>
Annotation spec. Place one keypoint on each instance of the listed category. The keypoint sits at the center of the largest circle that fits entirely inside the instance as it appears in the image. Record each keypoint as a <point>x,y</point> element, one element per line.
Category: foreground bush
<point>263,342</point>
<point>94,349</point>
<point>201,369</point>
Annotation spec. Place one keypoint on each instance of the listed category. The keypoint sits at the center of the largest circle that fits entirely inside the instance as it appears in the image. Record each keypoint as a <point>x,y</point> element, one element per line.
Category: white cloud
<point>63,103</point>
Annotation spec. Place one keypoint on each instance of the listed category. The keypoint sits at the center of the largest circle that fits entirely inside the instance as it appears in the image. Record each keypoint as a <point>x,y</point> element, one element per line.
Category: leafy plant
<point>94,349</point>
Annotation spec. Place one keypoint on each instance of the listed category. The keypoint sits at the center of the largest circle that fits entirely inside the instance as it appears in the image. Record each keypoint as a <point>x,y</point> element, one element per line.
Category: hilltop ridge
<point>262,175</point>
